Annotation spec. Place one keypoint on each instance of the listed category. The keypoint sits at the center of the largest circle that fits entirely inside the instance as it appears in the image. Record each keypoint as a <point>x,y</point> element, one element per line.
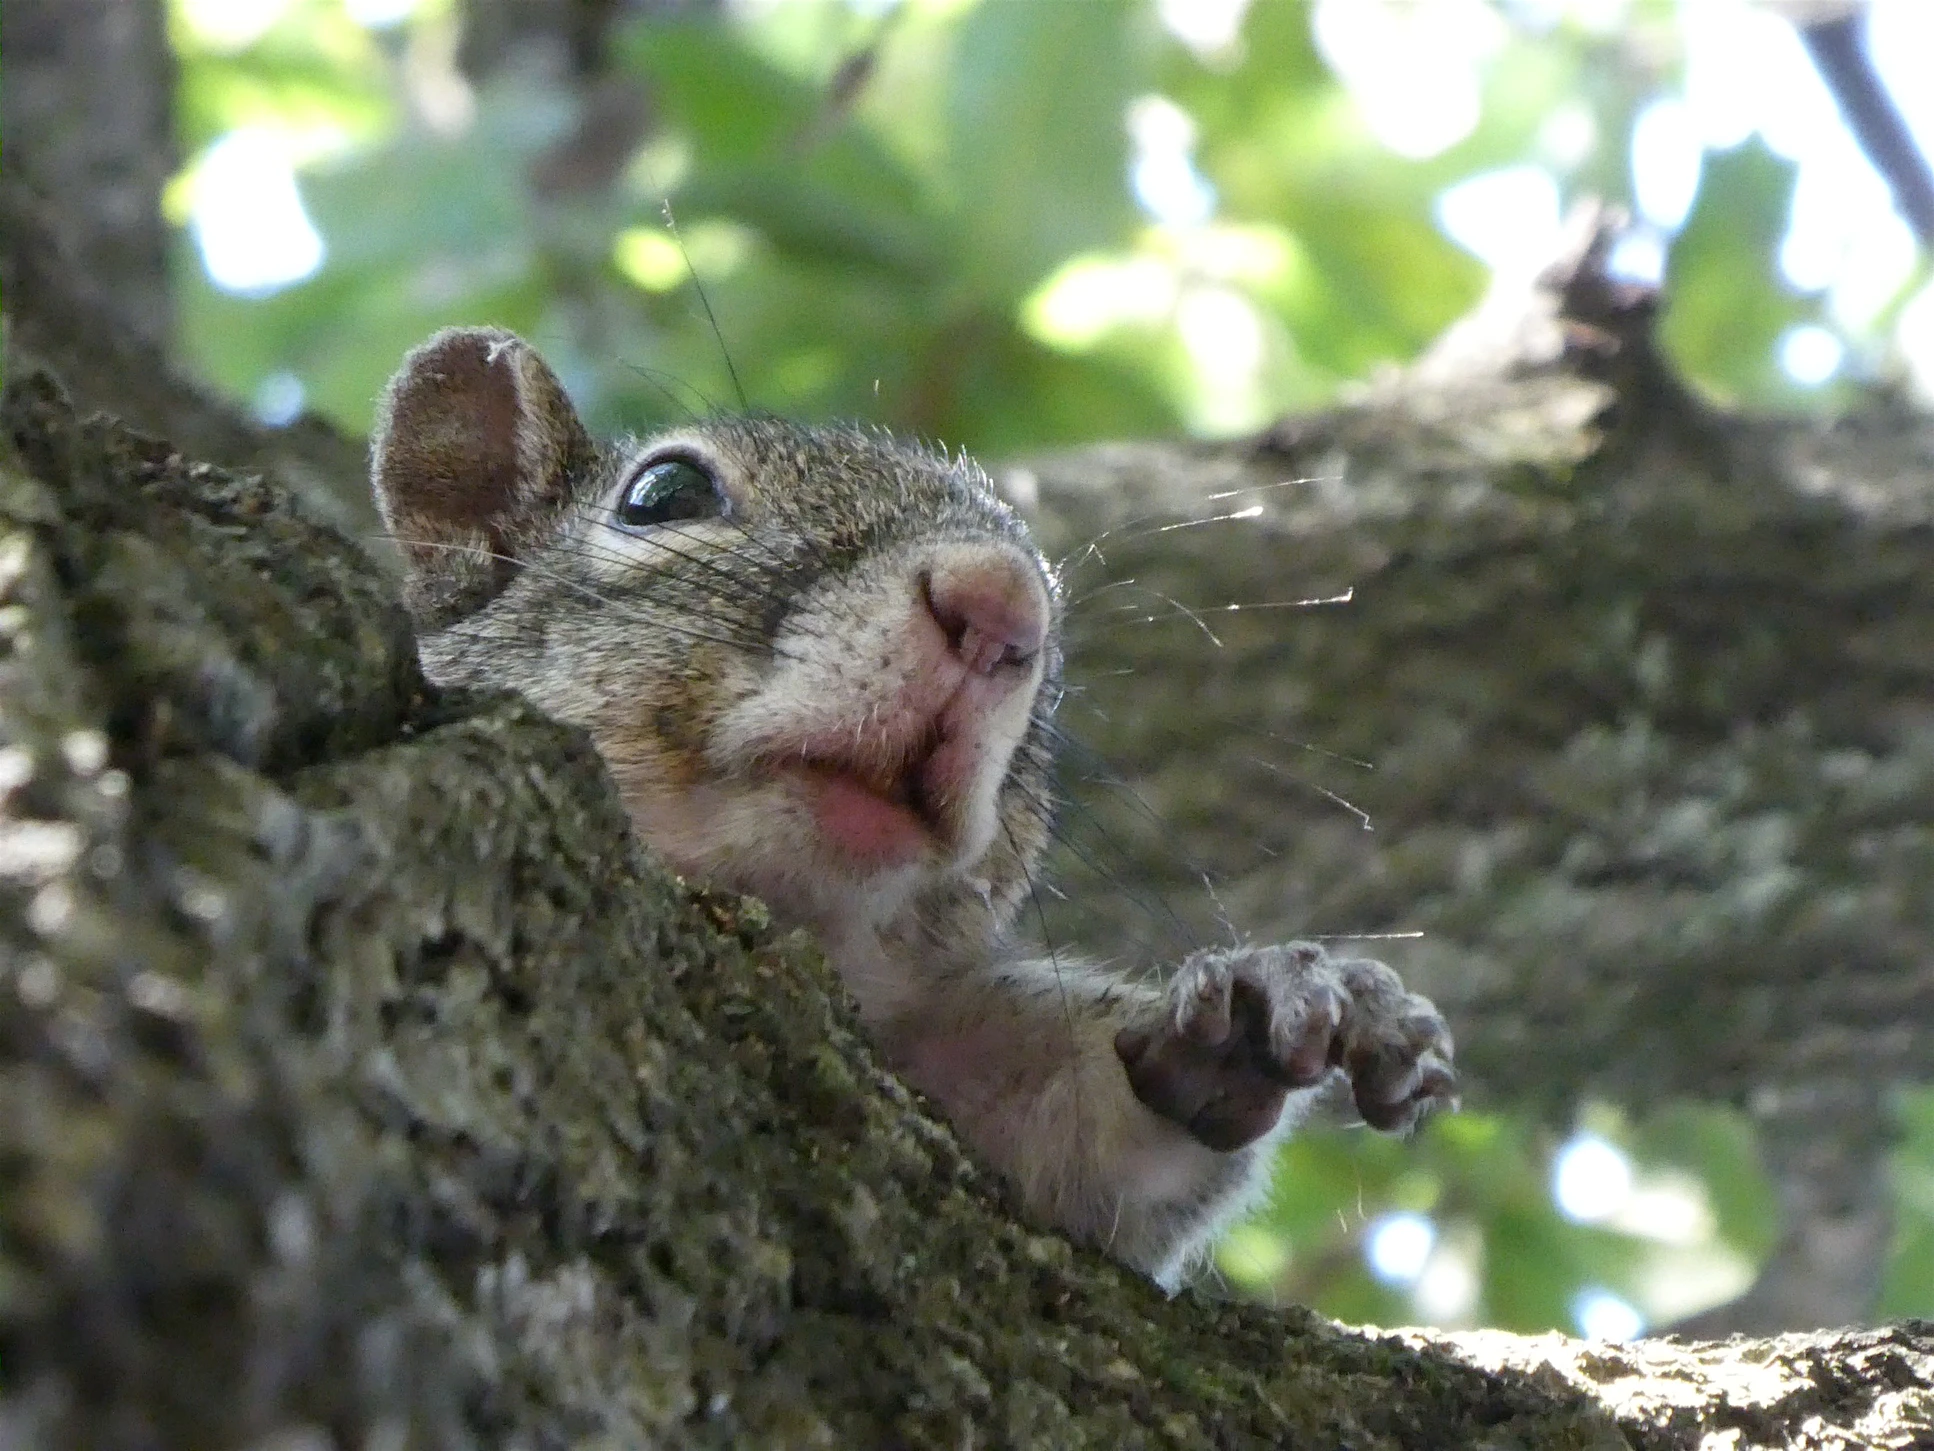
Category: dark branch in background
<point>60,314</point>
<point>88,113</point>
<point>1839,49</point>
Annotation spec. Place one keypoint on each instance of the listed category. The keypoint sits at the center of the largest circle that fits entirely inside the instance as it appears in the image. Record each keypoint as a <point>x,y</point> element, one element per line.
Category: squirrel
<point>822,665</point>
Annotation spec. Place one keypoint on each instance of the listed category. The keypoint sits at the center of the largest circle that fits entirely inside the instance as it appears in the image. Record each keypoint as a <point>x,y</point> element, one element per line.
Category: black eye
<point>676,488</point>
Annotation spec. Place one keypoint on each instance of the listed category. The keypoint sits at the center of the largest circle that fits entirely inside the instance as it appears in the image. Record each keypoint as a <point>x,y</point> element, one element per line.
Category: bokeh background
<point>1017,224</point>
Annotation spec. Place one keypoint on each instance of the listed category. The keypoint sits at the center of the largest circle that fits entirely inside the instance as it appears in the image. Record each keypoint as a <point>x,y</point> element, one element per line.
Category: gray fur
<point>1135,1118</point>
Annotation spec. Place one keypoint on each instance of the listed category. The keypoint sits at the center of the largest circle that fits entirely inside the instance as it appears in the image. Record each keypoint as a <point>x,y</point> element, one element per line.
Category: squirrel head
<point>820,662</point>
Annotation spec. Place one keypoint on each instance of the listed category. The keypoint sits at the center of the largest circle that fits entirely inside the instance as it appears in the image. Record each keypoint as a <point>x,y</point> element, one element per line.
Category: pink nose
<point>989,603</point>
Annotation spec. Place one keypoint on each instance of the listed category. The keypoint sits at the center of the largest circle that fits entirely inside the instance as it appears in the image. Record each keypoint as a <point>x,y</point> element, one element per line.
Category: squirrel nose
<point>989,603</point>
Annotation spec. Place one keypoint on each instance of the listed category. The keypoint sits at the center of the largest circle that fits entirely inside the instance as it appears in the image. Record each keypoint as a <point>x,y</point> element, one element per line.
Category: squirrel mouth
<point>876,808</point>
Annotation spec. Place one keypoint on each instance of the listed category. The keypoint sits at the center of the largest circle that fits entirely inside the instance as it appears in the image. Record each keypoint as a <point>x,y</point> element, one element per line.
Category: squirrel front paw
<point>1241,1027</point>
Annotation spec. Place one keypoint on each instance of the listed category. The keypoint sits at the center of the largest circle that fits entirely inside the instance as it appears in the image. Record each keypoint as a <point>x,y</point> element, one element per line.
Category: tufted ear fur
<point>474,454</point>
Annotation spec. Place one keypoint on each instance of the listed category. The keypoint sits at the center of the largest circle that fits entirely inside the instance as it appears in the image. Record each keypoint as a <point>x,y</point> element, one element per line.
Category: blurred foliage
<point>1683,1232</point>
<point>1908,1287</point>
<point>922,213</point>
<point>1719,312</point>
<point>883,245</point>
<point>925,214</point>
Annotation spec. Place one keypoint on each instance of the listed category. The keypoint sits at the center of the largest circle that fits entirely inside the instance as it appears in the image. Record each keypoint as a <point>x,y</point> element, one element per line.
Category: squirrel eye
<point>674,488</point>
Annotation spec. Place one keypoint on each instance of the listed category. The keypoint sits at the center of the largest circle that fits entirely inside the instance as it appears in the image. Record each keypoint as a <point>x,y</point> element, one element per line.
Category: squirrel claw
<point>1244,1027</point>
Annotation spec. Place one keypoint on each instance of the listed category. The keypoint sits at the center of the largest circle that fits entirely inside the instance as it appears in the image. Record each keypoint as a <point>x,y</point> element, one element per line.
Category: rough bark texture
<point>362,1083</point>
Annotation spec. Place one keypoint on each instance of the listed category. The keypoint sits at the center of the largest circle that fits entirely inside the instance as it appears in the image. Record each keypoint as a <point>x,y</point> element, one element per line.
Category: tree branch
<point>1838,47</point>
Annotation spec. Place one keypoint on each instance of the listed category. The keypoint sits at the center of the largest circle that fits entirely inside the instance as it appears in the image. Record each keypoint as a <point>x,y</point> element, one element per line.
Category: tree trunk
<point>363,1083</point>
<point>89,118</point>
<point>55,312</point>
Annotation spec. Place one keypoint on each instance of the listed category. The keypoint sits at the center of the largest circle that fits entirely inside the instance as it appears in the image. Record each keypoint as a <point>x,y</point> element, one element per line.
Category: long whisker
<point>580,587</point>
<point>1254,511</point>
<point>1196,618</point>
<point>1194,613</point>
<point>1357,811</point>
<point>1155,907</point>
<point>1297,482</point>
<point>1363,936</point>
<point>775,585</point>
<point>1098,772</point>
<point>1321,750</point>
<point>1343,597</point>
<point>1092,549</point>
<point>671,225</point>
<point>661,380</point>
<point>777,594</point>
<point>1077,601</point>
<point>1047,937</point>
<point>598,518</point>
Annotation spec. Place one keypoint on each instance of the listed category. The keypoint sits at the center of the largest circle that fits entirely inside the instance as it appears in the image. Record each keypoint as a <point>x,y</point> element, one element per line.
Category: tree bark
<point>89,118</point>
<point>363,1083</point>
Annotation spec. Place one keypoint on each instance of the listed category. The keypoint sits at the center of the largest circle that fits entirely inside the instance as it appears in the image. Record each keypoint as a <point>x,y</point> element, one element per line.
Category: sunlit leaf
<point>1037,139</point>
<point>1907,1285</point>
<point>1717,1145</point>
<point>1725,305</point>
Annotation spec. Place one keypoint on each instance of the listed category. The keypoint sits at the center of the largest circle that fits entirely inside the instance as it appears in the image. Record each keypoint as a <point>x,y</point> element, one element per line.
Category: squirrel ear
<point>475,450</point>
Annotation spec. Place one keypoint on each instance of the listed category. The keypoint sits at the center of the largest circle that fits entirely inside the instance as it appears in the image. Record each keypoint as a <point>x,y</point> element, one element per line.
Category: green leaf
<point>315,68</point>
<point>1725,305</point>
<point>1385,283</point>
<point>738,106</point>
<point>1719,1146</point>
<point>767,152</point>
<point>1283,144</point>
<point>1037,137</point>
<point>1907,1284</point>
